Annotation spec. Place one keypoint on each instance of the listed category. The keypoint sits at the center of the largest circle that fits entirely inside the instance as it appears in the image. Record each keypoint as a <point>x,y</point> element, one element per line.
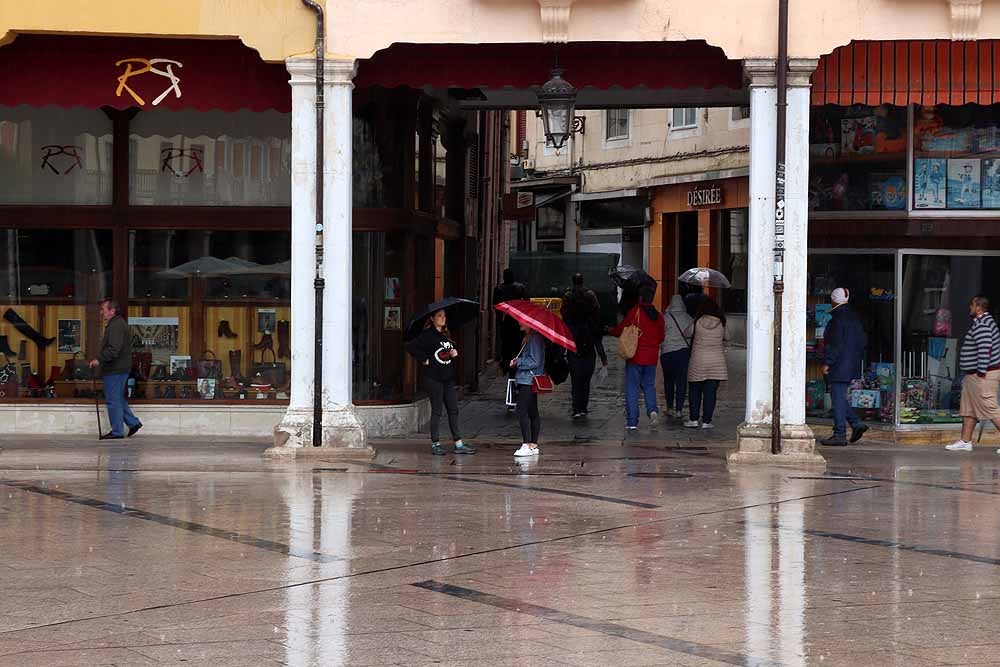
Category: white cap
<point>840,295</point>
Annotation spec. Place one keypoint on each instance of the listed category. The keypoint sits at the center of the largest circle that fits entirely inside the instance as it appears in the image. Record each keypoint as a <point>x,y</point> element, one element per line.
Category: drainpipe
<point>779,222</point>
<point>319,283</point>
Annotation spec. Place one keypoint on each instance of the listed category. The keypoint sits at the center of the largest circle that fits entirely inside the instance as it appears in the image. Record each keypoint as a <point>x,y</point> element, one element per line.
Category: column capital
<point>761,72</point>
<point>336,71</point>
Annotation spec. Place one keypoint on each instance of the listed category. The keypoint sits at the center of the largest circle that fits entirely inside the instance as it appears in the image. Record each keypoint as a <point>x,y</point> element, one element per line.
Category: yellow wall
<point>275,28</point>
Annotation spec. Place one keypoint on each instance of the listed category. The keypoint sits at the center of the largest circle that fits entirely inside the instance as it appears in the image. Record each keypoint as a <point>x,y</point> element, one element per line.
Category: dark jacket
<point>508,339</point>
<point>431,350</point>
<point>581,311</point>
<point>651,324</point>
<point>116,347</point>
<point>845,341</point>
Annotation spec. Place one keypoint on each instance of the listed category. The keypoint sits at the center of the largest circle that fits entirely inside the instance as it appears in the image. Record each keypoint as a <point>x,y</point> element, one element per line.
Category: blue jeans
<point>843,413</point>
<point>675,377</point>
<point>707,391</point>
<point>637,376</point>
<point>118,409</point>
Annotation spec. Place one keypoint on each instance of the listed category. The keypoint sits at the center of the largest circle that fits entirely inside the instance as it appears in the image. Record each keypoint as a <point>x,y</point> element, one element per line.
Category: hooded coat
<point>708,349</point>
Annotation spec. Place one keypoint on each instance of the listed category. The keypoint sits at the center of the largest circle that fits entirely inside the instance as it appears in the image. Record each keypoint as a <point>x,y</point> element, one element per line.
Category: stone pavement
<point>154,552</point>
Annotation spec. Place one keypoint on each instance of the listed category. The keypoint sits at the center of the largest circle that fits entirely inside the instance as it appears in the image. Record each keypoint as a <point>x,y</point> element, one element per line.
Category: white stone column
<point>754,436</point>
<point>341,429</point>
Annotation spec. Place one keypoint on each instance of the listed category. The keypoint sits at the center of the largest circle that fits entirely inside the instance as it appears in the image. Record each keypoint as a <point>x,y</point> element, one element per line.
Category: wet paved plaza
<point>164,553</point>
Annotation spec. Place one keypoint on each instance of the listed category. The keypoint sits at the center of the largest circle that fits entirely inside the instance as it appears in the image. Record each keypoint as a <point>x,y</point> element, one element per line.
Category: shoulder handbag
<point>208,367</point>
<point>679,330</point>
<point>628,342</point>
<point>76,369</point>
<point>541,384</point>
<point>273,372</point>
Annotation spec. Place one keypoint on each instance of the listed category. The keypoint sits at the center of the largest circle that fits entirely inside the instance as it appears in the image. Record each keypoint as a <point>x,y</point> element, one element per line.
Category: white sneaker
<point>654,418</point>
<point>959,446</point>
<point>708,425</point>
<point>691,424</point>
<point>631,428</point>
<point>526,451</point>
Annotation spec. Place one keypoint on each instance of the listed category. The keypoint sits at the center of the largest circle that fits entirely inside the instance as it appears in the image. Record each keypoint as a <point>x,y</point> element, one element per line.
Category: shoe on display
<point>708,425</point>
<point>654,418</point>
<point>959,446</point>
<point>225,331</point>
<point>692,423</point>
<point>525,450</point>
<point>857,433</point>
<point>834,441</point>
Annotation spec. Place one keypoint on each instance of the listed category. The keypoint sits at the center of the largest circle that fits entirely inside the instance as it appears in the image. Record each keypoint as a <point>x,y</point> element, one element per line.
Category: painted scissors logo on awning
<point>182,162</point>
<point>61,159</point>
<point>138,66</point>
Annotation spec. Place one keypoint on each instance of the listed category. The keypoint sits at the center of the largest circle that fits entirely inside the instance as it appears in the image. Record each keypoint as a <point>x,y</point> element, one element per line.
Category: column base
<point>343,436</point>
<point>798,446</point>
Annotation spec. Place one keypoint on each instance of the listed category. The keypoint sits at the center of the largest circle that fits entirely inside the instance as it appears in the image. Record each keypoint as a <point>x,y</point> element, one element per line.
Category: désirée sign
<point>704,196</point>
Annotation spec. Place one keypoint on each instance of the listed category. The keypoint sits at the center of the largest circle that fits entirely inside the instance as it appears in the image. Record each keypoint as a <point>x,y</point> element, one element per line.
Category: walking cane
<point>97,404</point>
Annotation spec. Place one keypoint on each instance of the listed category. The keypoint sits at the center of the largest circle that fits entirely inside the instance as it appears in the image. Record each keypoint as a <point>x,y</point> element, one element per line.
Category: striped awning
<point>905,72</point>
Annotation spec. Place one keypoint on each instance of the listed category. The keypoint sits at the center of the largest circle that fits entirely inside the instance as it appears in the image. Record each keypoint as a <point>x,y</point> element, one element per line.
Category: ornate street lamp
<point>557,99</point>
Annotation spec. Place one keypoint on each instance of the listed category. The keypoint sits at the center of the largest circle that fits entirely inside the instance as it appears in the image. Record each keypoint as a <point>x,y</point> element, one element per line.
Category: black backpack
<point>556,365</point>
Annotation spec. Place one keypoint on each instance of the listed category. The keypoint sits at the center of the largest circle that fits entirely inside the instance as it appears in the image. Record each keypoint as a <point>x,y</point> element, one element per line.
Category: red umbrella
<point>540,319</point>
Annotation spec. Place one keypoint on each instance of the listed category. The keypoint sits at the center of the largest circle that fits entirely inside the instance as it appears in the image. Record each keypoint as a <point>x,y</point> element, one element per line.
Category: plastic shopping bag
<point>600,376</point>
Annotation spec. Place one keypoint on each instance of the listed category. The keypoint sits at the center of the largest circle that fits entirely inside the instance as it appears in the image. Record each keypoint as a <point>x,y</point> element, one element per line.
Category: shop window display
<point>935,299</point>
<point>870,279</point>
<point>52,281</point>
<point>209,314</point>
<point>210,158</point>
<point>857,158</point>
<point>51,155</point>
<point>956,157</point>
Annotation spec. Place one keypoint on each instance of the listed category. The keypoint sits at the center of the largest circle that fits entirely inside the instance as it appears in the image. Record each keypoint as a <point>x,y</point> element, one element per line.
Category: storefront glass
<point>857,158</point>
<point>53,280</point>
<point>956,157</point>
<point>51,155</point>
<point>936,290</point>
<point>212,158</point>
<point>870,279</point>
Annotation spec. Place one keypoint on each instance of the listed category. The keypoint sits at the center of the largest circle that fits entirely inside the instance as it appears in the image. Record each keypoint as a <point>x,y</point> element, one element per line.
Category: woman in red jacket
<point>640,370</point>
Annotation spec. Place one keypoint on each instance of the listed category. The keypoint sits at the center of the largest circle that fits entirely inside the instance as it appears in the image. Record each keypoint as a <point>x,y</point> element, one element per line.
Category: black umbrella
<point>630,276</point>
<point>459,312</point>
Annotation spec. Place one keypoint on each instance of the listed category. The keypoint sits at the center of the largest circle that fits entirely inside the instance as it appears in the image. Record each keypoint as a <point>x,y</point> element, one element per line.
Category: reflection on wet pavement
<point>206,554</point>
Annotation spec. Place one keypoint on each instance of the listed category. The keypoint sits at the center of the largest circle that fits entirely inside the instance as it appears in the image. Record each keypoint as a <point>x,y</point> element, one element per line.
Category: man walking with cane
<point>115,361</point>
<point>845,347</point>
<point>979,360</point>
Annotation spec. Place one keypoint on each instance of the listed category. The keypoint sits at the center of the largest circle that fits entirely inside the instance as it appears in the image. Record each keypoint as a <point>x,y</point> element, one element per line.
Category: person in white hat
<point>845,347</point>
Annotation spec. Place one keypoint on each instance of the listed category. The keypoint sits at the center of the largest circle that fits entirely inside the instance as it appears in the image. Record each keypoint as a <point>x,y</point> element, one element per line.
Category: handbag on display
<point>541,384</point>
<point>76,369</point>
<point>273,372</point>
<point>142,363</point>
<point>208,367</point>
<point>9,383</point>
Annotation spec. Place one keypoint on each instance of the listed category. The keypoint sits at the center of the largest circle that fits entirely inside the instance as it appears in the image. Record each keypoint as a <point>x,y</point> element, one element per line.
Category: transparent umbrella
<point>704,277</point>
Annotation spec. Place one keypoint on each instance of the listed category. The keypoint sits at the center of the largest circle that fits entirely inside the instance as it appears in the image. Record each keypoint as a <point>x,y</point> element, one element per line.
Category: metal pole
<point>318,283</point>
<point>779,222</point>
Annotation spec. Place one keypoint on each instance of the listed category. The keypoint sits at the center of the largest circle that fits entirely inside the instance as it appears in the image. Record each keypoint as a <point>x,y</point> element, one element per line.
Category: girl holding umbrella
<point>537,324</point>
<point>434,350</point>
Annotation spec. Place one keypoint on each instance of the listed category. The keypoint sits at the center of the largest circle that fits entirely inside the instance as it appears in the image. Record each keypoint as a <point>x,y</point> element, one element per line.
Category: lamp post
<point>557,99</point>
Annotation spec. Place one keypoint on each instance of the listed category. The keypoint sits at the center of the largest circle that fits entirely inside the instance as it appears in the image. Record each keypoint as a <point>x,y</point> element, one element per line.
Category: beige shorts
<point>979,396</point>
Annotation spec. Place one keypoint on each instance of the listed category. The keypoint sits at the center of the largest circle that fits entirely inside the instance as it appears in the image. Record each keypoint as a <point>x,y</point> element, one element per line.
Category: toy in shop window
<point>991,183</point>
<point>963,184</point>
<point>887,192</point>
<point>890,131</point>
<point>857,135</point>
<point>929,183</point>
